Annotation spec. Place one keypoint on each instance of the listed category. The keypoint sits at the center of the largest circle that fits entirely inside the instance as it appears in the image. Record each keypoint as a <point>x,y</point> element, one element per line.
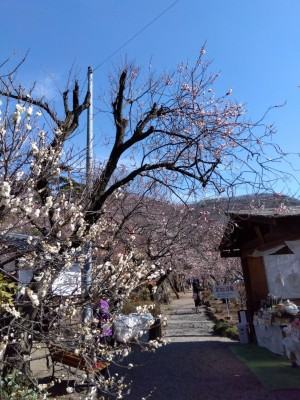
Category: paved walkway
<point>196,365</point>
<point>184,325</point>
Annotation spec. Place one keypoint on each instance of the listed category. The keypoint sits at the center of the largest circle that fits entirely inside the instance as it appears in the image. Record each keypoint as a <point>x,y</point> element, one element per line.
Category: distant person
<point>197,294</point>
<point>189,283</point>
<point>196,285</point>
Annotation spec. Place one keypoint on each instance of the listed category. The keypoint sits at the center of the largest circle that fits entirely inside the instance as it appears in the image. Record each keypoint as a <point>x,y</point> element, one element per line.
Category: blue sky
<point>254,44</point>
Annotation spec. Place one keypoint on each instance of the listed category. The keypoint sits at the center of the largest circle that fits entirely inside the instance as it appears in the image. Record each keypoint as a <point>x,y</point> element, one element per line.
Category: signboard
<point>225,291</point>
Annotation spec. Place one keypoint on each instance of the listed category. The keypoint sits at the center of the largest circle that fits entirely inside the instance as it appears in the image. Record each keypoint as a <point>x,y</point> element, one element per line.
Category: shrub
<point>16,386</point>
<point>207,297</point>
<point>225,329</point>
<point>8,291</point>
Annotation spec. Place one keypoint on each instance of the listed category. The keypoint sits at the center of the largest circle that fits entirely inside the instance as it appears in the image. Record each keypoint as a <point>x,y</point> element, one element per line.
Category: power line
<point>136,34</point>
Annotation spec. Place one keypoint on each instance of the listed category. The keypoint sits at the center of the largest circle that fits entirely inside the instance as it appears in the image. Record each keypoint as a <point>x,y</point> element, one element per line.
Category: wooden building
<point>268,244</point>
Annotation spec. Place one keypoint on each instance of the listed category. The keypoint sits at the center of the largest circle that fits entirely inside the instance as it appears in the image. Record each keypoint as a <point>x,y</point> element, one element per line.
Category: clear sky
<point>255,44</point>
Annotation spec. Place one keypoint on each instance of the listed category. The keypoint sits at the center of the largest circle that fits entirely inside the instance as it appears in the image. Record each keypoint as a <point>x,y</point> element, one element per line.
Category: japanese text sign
<point>225,291</point>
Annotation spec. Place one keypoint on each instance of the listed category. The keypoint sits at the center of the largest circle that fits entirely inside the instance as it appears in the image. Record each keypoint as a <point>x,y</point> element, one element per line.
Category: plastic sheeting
<point>132,326</point>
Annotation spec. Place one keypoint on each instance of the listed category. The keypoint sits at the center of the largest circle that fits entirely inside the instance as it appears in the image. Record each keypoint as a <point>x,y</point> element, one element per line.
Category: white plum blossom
<point>56,214</point>
<point>3,346</point>
<point>58,132</point>
<point>33,297</point>
<point>37,213</point>
<point>29,239</point>
<point>11,310</point>
<point>5,189</point>
<point>49,202</point>
<point>29,112</point>
<point>16,118</point>
<point>17,115</point>
<point>34,148</point>
<point>22,291</point>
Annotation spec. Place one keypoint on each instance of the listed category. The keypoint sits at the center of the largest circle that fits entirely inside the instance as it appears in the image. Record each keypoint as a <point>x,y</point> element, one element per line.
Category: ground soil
<point>220,310</point>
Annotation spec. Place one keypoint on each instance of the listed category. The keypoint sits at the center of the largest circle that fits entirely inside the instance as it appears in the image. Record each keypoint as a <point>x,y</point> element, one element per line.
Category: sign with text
<point>225,291</point>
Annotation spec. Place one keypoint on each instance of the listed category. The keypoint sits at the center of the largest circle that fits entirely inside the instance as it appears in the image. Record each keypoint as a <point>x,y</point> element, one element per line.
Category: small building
<point>268,244</point>
<point>15,245</point>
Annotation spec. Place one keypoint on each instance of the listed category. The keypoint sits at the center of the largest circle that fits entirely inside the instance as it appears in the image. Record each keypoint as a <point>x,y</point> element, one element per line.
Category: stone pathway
<point>183,324</point>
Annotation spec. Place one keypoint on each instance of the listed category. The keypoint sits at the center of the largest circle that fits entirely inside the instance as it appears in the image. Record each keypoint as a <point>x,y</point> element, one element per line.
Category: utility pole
<point>88,267</point>
<point>90,134</point>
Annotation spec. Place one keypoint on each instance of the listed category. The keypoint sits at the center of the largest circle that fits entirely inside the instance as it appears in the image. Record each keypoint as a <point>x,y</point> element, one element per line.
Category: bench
<point>66,357</point>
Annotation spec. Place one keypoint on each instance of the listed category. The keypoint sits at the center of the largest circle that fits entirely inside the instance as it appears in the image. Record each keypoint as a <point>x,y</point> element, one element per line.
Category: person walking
<point>196,294</point>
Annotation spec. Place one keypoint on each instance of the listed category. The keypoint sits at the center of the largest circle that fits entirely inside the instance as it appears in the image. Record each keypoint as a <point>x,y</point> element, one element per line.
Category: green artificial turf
<point>273,370</point>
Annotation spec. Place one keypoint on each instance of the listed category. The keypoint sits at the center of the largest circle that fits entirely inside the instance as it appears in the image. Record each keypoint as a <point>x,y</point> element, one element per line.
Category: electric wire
<point>136,34</point>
